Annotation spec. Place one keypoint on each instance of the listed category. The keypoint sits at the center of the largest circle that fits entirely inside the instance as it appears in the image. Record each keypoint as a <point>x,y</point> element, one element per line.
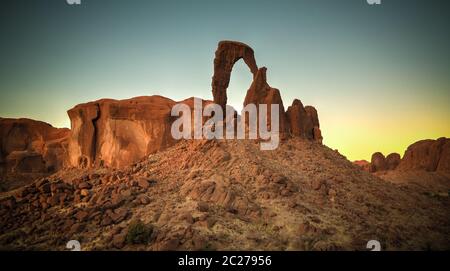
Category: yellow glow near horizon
<point>358,137</point>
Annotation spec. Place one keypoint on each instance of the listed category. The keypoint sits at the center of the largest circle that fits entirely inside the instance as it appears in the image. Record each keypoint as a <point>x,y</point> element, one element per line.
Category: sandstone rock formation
<point>425,155</point>
<point>381,163</point>
<point>29,147</point>
<point>117,133</point>
<point>378,162</point>
<point>299,121</point>
<point>363,164</point>
<point>227,54</point>
<point>261,93</point>
<point>304,121</point>
<point>392,161</point>
<point>428,155</point>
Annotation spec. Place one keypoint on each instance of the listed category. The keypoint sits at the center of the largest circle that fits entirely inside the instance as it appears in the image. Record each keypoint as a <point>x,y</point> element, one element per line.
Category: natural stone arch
<point>227,54</point>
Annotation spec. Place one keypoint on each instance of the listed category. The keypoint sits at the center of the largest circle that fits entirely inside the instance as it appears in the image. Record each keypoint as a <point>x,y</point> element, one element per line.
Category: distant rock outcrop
<point>392,161</point>
<point>363,164</point>
<point>428,155</point>
<point>378,162</point>
<point>29,147</point>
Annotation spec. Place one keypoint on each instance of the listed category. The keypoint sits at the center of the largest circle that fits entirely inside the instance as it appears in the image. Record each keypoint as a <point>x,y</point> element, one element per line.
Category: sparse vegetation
<point>139,233</point>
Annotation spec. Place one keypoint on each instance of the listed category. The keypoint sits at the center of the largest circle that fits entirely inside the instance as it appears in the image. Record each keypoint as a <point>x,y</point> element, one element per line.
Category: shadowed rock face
<point>378,162</point>
<point>227,54</point>
<point>29,148</point>
<point>392,161</point>
<point>381,163</point>
<point>261,93</point>
<point>304,121</point>
<point>428,155</point>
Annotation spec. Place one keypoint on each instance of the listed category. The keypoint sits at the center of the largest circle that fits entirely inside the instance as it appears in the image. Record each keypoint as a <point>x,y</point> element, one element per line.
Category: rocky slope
<point>208,195</point>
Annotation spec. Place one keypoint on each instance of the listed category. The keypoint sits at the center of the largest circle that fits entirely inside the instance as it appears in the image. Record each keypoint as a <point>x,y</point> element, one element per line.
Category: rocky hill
<point>226,195</point>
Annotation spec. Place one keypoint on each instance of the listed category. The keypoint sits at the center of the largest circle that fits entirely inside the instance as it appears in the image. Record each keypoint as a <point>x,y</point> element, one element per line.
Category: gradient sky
<point>378,75</point>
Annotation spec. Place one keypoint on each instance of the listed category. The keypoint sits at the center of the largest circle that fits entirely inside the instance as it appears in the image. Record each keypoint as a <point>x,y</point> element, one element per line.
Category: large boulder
<point>428,155</point>
<point>392,161</point>
<point>378,162</point>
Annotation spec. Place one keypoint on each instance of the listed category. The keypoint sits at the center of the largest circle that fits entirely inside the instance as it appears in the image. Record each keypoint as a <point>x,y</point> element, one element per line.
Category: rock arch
<point>227,54</point>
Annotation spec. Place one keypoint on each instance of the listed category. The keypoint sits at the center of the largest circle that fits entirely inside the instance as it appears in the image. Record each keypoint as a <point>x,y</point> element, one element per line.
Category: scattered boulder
<point>119,240</point>
<point>81,215</point>
<point>143,183</point>
<point>218,190</point>
<point>119,215</point>
<point>202,206</point>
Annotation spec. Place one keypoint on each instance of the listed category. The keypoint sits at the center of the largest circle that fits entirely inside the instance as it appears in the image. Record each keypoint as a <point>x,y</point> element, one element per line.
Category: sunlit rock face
<point>117,133</point>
